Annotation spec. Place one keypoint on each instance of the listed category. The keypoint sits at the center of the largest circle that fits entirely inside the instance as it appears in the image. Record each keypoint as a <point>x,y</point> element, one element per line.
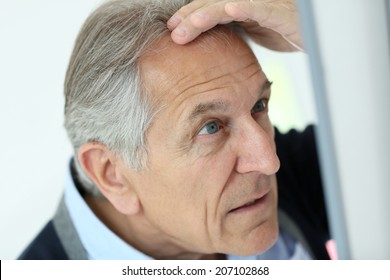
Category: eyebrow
<point>205,107</point>
<point>219,106</point>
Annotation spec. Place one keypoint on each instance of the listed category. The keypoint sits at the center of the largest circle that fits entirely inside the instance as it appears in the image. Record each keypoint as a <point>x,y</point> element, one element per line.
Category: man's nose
<point>256,149</point>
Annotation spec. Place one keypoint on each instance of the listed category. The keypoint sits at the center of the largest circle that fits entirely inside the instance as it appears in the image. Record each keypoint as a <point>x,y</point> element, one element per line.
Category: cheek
<point>202,184</point>
<point>215,170</point>
<point>214,174</point>
<point>181,196</point>
<point>172,205</point>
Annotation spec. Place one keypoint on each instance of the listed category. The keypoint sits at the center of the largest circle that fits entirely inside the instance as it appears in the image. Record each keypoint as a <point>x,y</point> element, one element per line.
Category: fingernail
<point>180,31</point>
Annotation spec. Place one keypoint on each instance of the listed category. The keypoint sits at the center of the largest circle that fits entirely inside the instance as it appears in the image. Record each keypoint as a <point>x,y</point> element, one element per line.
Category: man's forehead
<point>168,68</point>
<point>186,83</point>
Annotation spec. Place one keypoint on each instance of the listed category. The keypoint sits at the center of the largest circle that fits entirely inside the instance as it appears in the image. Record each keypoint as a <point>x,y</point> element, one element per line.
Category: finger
<point>200,20</point>
<point>280,17</point>
<point>267,14</point>
<point>184,12</point>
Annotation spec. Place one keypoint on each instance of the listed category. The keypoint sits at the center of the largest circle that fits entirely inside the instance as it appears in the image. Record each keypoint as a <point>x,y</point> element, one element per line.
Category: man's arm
<point>270,23</point>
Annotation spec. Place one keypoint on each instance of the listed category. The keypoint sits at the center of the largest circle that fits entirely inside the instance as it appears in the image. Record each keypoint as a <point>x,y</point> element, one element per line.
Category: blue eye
<point>210,128</point>
<point>259,106</point>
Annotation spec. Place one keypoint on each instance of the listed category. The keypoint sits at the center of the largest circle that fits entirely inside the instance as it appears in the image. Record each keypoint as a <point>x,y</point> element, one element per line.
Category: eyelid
<point>263,99</point>
<point>207,123</point>
<point>221,124</point>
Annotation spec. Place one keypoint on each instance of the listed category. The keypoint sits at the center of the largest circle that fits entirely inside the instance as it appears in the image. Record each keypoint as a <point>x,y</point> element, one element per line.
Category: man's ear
<point>102,167</point>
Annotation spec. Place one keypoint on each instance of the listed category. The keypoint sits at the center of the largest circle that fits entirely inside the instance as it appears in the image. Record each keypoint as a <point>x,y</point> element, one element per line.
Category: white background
<point>36,40</point>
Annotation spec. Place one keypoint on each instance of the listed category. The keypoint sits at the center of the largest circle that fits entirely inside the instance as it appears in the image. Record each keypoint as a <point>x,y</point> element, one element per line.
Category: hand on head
<point>272,24</point>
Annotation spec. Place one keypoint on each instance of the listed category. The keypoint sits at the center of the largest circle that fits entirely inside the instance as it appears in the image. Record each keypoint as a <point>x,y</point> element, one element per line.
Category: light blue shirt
<point>103,244</point>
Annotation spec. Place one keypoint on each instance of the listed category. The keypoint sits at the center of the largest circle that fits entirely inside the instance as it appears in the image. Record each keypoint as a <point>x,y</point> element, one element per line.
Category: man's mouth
<point>252,204</point>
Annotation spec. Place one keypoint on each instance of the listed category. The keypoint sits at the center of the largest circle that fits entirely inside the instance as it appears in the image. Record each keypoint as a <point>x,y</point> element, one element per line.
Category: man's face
<point>210,185</point>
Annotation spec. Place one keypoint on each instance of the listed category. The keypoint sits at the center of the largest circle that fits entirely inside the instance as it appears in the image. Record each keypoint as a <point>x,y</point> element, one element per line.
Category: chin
<point>259,240</point>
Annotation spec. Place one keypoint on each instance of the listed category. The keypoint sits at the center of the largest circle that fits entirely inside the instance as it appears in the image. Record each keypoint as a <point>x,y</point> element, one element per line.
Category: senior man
<point>175,156</point>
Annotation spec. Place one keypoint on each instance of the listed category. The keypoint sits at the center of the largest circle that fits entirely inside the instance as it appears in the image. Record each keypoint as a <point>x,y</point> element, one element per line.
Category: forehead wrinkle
<point>208,75</point>
<point>198,78</point>
<point>231,81</point>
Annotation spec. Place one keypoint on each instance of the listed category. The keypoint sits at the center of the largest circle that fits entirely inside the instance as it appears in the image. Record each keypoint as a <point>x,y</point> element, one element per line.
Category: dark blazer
<point>300,191</point>
<point>301,205</point>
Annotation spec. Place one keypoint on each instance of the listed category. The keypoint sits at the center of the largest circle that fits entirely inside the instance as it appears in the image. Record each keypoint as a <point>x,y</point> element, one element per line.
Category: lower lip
<point>259,203</point>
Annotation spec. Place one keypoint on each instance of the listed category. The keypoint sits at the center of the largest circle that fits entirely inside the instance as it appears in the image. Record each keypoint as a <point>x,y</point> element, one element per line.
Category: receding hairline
<point>217,39</point>
<point>219,35</point>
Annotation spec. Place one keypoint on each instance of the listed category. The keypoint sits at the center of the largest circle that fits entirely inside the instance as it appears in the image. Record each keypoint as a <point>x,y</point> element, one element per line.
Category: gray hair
<point>104,98</point>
